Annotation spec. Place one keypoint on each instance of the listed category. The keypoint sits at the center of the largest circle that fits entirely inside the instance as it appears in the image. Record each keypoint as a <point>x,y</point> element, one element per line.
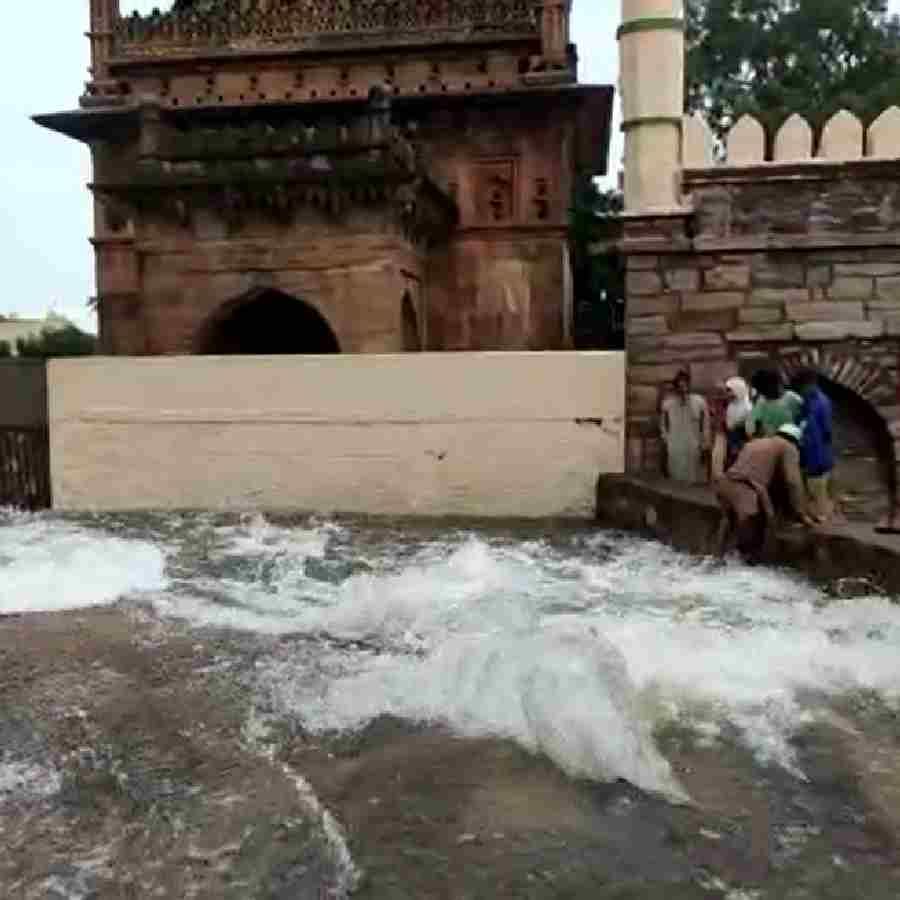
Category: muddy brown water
<point>138,779</point>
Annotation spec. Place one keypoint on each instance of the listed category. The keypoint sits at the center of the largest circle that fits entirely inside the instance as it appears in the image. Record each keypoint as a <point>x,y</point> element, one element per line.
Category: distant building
<point>14,328</point>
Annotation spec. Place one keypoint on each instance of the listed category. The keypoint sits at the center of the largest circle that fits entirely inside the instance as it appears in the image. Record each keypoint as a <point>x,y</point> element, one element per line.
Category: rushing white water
<point>576,645</point>
<point>47,565</point>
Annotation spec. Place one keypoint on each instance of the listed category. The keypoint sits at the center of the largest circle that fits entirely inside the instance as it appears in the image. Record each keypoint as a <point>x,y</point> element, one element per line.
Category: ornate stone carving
<point>242,24</point>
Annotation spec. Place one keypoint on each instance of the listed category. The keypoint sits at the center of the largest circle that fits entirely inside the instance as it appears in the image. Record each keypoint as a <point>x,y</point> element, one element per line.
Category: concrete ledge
<point>687,518</point>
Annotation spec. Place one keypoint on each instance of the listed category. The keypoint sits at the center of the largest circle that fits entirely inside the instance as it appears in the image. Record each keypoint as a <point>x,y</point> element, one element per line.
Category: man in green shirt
<point>774,408</point>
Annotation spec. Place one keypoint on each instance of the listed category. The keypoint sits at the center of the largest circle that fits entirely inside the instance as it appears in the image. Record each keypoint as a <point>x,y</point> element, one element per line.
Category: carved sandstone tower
<point>313,175</point>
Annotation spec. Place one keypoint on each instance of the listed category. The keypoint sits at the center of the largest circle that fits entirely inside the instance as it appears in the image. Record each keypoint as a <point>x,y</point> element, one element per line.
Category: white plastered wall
<point>495,434</point>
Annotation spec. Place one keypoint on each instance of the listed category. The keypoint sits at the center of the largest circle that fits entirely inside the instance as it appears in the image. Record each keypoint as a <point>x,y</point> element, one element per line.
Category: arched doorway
<point>266,323</point>
<point>865,474</point>
<point>862,400</point>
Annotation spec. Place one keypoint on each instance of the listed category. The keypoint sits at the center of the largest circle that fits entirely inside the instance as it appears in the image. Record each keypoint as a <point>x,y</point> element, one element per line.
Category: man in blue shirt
<point>817,451</point>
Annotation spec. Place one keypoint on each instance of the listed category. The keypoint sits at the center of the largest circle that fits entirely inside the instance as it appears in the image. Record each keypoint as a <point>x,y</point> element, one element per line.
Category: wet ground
<point>136,763</point>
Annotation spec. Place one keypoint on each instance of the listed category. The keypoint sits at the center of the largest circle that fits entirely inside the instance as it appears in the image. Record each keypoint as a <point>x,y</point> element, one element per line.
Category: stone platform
<point>687,518</point>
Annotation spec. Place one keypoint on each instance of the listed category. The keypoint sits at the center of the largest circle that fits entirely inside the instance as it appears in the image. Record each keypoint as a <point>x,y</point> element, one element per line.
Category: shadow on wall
<point>266,323</point>
<point>412,337</point>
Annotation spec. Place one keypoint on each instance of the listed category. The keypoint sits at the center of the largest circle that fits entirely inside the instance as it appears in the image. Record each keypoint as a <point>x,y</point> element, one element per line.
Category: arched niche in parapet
<point>746,142</point>
<point>698,143</point>
<point>265,322</point>
<point>794,141</point>
<point>883,138</point>
<point>842,138</point>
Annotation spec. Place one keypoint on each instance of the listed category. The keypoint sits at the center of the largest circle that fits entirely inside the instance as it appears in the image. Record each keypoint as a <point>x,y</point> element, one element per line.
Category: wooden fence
<point>25,467</point>
<point>24,440</point>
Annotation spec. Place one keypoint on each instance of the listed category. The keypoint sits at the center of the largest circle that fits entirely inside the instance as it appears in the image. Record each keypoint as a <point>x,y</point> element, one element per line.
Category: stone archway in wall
<point>266,322</point>
<point>865,414</point>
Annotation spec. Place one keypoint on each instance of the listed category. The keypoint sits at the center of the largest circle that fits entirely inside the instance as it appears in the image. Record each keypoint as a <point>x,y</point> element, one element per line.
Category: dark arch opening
<point>865,472</point>
<point>267,323</point>
<point>412,338</point>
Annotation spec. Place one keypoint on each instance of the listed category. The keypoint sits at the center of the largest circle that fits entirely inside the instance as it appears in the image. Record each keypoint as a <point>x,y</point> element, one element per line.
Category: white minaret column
<point>651,82</point>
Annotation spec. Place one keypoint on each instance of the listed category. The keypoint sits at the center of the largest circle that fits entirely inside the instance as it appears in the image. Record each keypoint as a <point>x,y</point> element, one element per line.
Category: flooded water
<point>576,644</point>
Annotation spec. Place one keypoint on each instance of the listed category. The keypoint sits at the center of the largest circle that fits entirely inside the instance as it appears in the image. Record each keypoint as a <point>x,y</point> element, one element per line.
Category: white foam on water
<point>577,650</point>
<point>256,536</point>
<point>47,566</point>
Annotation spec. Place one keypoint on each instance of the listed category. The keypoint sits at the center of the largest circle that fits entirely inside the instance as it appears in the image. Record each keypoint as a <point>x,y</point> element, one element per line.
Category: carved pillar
<point>555,33</point>
<point>104,15</point>
<point>651,83</point>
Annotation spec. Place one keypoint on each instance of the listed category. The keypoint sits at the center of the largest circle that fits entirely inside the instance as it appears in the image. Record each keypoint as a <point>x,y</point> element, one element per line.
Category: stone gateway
<point>313,177</point>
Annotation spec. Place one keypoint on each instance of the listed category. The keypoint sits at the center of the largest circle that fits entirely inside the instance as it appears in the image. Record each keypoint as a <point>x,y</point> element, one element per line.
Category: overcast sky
<point>45,219</point>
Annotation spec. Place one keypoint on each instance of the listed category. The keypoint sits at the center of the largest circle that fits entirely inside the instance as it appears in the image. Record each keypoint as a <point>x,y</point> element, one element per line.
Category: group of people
<point>766,448</point>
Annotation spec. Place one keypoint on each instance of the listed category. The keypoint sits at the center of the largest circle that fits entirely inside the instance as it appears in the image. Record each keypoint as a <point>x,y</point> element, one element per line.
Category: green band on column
<point>628,124</point>
<point>659,24</point>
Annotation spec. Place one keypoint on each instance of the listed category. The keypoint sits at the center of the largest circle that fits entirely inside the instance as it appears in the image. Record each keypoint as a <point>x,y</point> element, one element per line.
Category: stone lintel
<point>800,242</point>
<point>839,331</point>
<point>761,334</point>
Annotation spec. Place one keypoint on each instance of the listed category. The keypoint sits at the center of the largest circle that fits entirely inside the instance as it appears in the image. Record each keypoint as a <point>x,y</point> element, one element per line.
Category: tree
<point>772,58</point>
<point>598,273</point>
<point>52,342</point>
<point>5,349</point>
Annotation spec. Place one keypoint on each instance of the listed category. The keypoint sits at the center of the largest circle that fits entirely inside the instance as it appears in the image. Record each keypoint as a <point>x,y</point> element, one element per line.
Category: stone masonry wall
<point>800,273</point>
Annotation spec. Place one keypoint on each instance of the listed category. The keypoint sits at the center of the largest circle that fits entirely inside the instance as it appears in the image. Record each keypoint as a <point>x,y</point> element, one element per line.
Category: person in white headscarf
<point>731,410</point>
<point>736,414</point>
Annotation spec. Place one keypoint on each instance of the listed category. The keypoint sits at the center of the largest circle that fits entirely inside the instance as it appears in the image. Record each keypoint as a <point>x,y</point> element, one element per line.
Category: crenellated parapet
<point>843,138</point>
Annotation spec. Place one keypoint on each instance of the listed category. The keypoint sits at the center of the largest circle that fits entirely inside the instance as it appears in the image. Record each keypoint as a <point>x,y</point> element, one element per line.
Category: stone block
<point>888,288</point>
<point>879,306</point>
<point>647,375</point>
<point>651,306</point>
<point>839,331</point>
<point>713,301</point>
<point>643,284</point>
<point>760,315</point>
<point>639,263</point>
<point>720,320</point>
<point>677,348</point>
<point>778,296</point>
<point>682,280</point>
<point>694,340</point>
<point>727,278</point>
<point>867,269</point>
<point>819,276</point>
<point>825,312</point>
<point>708,376</point>
<point>761,333</point>
<point>892,326</point>
<point>851,288</point>
<point>642,400</point>
<point>647,326</point>
<point>770,273</point>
